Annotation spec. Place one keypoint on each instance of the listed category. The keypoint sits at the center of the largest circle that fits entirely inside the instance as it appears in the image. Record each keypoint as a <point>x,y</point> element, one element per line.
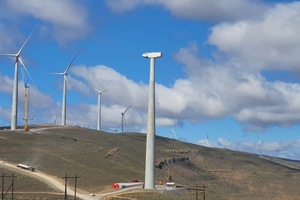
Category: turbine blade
<point>65,77</point>
<point>22,63</point>
<point>8,54</point>
<point>59,73</point>
<point>71,62</point>
<point>127,109</point>
<point>96,89</point>
<point>104,91</point>
<point>21,49</point>
<point>100,91</point>
<point>258,143</point>
<point>125,122</point>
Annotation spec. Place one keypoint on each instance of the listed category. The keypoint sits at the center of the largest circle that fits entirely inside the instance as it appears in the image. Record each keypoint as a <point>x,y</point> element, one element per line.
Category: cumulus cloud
<point>215,90</point>
<point>66,20</point>
<point>212,90</point>
<point>6,39</point>
<point>41,105</point>
<point>122,5</point>
<point>123,92</point>
<point>120,87</point>
<point>269,43</point>
<point>198,9</point>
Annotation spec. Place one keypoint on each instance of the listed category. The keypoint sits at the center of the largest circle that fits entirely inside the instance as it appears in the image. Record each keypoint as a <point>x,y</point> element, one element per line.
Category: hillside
<point>100,159</point>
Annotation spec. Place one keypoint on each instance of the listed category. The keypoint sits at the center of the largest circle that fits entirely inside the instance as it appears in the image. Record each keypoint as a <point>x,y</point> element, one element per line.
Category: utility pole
<point>3,194</point>
<point>199,189</point>
<point>66,185</point>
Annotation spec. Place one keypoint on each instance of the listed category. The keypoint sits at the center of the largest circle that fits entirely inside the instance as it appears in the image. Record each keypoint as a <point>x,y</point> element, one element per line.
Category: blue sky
<point>229,72</point>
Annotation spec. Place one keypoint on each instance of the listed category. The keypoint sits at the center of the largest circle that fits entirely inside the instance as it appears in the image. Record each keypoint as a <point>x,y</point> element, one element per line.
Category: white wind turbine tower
<point>173,134</point>
<point>115,130</point>
<point>65,74</point>
<point>17,56</point>
<point>259,144</point>
<point>123,117</point>
<point>26,105</point>
<point>99,107</point>
<point>205,142</point>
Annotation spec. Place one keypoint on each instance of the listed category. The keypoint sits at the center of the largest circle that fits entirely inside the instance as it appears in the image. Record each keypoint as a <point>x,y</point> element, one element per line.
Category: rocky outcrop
<point>167,161</point>
<point>113,152</point>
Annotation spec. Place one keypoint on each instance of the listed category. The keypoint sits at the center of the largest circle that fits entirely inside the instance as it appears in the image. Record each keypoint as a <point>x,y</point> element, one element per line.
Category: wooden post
<point>199,189</point>
<point>2,187</point>
<point>66,187</point>
<point>66,180</point>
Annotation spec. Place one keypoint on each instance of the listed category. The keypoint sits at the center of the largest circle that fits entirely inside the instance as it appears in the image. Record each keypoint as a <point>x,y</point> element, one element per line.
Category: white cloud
<point>215,90</point>
<point>213,10</point>
<point>120,88</point>
<point>66,20</point>
<point>123,92</point>
<point>198,9</point>
<point>122,5</point>
<point>5,38</point>
<point>6,84</point>
<point>42,108</point>
<point>210,91</point>
<point>268,43</point>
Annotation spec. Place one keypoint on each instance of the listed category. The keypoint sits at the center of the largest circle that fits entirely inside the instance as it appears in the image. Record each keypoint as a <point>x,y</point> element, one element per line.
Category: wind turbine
<point>115,129</point>
<point>65,74</point>
<point>150,139</point>
<point>173,134</point>
<point>123,116</point>
<point>17,56</point>
<point>259,144</point>
<point>226,143</point>
<point>99,108</point>
<point>172,131</point>
<point>205,142</point>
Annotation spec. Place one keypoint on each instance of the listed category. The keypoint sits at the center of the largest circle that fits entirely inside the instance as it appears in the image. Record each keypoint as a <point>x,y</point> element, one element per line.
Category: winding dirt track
<point>55,183</point>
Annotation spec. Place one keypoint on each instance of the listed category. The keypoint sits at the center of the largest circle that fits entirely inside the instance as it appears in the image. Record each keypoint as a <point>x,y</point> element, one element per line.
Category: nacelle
<point>152,54</point>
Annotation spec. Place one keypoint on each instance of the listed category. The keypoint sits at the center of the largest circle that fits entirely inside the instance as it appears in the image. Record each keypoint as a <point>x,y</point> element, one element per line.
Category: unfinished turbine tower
<point>26,106</point>
<point>64,100</point>
<point>99,108</point>
<point>150,144</point>
<point>17,56</point>
<point>123,117</point>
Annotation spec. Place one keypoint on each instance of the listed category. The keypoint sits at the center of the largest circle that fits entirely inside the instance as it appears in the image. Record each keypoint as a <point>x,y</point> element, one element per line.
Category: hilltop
<point>101,159</point>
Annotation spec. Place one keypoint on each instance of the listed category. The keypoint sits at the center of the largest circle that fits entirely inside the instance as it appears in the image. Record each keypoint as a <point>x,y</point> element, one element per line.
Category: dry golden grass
<point>72,150</point>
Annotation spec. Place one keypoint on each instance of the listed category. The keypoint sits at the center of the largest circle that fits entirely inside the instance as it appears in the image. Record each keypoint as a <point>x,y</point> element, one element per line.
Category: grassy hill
<point>100,159</point>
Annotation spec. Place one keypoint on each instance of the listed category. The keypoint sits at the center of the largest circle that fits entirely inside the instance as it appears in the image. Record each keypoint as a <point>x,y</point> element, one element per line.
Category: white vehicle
<point>25,167</point>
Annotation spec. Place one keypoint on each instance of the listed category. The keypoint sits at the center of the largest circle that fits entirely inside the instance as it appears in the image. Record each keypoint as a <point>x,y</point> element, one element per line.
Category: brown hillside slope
<point>100,159</point>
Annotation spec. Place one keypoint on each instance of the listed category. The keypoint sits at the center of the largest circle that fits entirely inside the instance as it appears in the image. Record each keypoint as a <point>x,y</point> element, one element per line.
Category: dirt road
<point>55,183</point>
